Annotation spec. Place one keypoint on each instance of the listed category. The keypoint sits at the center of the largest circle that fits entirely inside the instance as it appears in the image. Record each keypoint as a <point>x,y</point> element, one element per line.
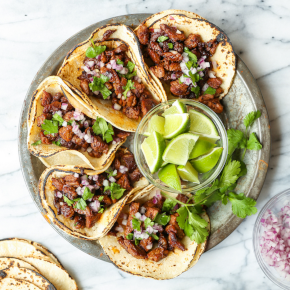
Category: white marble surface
<point>31,30</point>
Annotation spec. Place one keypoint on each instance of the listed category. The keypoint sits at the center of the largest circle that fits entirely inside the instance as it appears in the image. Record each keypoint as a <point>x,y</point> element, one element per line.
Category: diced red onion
<point>211,74</point>
<point>90,63</point>
<point>95,177</point>
<point>178,31</point>
<point>76,175</point>
<point>84,177</point>
<point>124,222</point>
<point>136,78</point>
<point>129,93</point>
<point>89,149</point>
<point>158,227</point>
<point>119,229</point>
<point>117,107</point>
<point>154,200</point>
<point>109,66</point>
<point>91,80</point>
<point>64,123</point>
<point>85,182</point>
<point>185,57</point>
<point>64,106</point>
<point>149,246</point>
<point>171,17</point>
<point>79,190</point>
<point>158,194</point>
<point>87,70</point>
<point>173,51</point>
<point>101,64</point>
<point>112,179</point>
<point>78,115</point>
<point>87,123</point>
<point>88,137</point>
<point>123,216</point>
<point>142,209</point>
<point>123,71</point>
<point>96,92</point>
<point>95,205</point>
<point>119,96</point>
<point>201,73</point>
<point>58,194</point>
<point>105,182</point>
<point>114,142</point>
<point>61,203</point>
<point>214,64</point>
<point>205,87</point>
<point>143,218</point>
<point>113,64</point>
<point>149,230</point>
<point>123,169</point>
<point>173,76</point>
<point>137,215</point>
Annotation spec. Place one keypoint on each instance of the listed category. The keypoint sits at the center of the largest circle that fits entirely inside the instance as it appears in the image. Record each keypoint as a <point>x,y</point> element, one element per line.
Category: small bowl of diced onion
<point>271,239</point>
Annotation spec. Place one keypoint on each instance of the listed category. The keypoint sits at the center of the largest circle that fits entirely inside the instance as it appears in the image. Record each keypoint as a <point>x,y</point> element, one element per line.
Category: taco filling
<point>110,74</point>
<point>63,125</point>
<point>184,62</point>
<point>149,231</point>
<point>83,198</point>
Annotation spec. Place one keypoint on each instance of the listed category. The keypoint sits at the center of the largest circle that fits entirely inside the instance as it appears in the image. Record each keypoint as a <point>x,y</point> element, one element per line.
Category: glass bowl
<point>274,204</point>
<point>206,178</point>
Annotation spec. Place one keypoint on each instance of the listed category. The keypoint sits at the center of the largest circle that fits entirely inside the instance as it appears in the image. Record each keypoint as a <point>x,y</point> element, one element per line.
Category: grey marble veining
<point>31,30</point>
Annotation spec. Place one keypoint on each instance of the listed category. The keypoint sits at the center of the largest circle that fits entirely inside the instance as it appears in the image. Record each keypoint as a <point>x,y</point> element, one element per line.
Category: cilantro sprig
<point>116,190</point>
<point>49,126</point>
<point>92,52</point>
<point>129,86</point>
<point>101,127</point>
<point>98,84</point>
<point>79,203</point>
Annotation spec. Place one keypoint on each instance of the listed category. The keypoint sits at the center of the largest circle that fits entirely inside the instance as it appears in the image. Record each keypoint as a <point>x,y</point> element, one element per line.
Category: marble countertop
<point>31,30</point>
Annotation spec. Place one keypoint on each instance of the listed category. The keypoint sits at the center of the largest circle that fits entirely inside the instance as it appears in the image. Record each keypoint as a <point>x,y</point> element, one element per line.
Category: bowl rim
<point>255,240</point>
<point>222,133</point>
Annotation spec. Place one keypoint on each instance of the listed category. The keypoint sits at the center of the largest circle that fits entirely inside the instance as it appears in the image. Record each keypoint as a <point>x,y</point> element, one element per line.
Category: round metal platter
<point>244,97</point>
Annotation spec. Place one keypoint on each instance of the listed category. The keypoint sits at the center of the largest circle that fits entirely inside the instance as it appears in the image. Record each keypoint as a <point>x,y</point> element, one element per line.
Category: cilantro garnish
<point>242,206</point>
<point>36,143</point>
<point>98,84</point>
<point>101,127</point>
<point>253,142</point>
<point>251,117</point>
<point>100,198</point>
<point>68,201</point>
<point>101,210</point>
<point>129,236</point>
<point>191,55</point>
<point>136,224</point>
<point>116,190</point>
<point>155,237</point>
<point>162,218</point>
<point>170,45</point>
<point>210,91</point>
<point>92,52</point>
<point>111,172</point>
<point>148,223</point>
<point>119,61</point>
<point>57,143</point>
<point>130,66</point>
<point>162,38</point>
<point>58,118</point>
<point>49,127</point>
<point>129,76</point>
<point>81,204</point>
<point>196,91</point>
<point>87,194</point>
<point>129,86</point>
<point>168,205</point>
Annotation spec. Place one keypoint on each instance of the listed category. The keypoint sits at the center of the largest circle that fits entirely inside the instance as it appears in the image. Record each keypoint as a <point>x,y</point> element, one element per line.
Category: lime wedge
<point>206,162</point>
<point>177,151</point>
<point>201,123</point>
<point>168,174</point>
<point>176,108</point>
<point>175,125</point>
<point>156,123</point>
<point>209,138</point>
<point>152,148</point>
<point>201,147</point>
<point>188,173</point>
<point>164,163</point>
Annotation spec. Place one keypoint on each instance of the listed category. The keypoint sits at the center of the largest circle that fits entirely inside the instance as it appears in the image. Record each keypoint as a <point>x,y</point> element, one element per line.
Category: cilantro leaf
<point>196,91</point>
<point>101,210</point>
<point>109,133</point>
<point>162,219</point>
<point>98,84</point>
<point>243,169</point>
<point>100,198</point>
<point>199,235</point>
<point>49,127</point>
<point>194,77</point>
<point>119,62</point>
<point>210,91</point>
<point>87,194</point>
<point>111,172</point>
<point>202,194</point>
<point>217,195</point>
<point>129,86</point>
<point>81,204</point>
<point>130,66</point>
<point>36,143</point>
<point>242,206</point>
<point>162,38</point>
<point>196,221</point>
<point>155,237</point>
<point>251,117</point>
<point>191,55</point>
<point>57,143</point>
<point>253,142</point>
<point>129,236</point>
<point>182,211</point>
<point>102,127</point>
<point>170,45</point>
<point>99,49</point>
<point>188,229</point>
<point>116,190</point>
<point>230,173</point>
<point>129,76</point>
<point>57,117</point>
<point>68,201</point>
<point>168,205</point>
<point>136,224</point>
<point>90,52</point>
<point>234,138</point>
<point>148,222</point>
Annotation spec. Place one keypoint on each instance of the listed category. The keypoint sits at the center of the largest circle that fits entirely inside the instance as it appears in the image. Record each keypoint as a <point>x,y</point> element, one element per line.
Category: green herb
<point>50,127</point>
<point>116,190</point>
<point>234,139</point>
<point>129,236</point>
<point>98,84</point>
<point>194,77</point>
<point>57,143</point>
<point>130,66</point>
<point>253,142</point>
<point>36,143</point>
<point>57,117</point>
<point>242,206</point>
<point>189,64</point>
<point>168,205</point>
<point>251,117</point>
<point>101,210</point>
<point>155,237</point>
<point>129,86</point>
<point>162,218</point>
<point>101,127</point>
<point>137,241</point>
<point>110,172</point>
<point>92,52</point>
<point>191,55</point>
<point>70,122</point>
<point>87,194</point>
<point>170,45</point>
<point>148,223</point>
<point>119,62</point>
<point>129,76</point>
<point>101,198</point>
<point>210,91</point>
<point>81,204</point>
<point>162,38</point>
<point>196,91</point>
<point>68,201</point>
<point>136,224</point>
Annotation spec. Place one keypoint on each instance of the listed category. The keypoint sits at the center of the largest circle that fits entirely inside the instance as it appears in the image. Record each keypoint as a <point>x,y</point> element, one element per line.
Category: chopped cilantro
<point>98,84</point>
<point>111,172</point>
<point>50,127</point>
<point>148,222</point>
<point>101,127</point>
<point>210,91</point>
<point>116,190</point>
<point>81,204</point>
<point>57,143</point>
<point>155,237</point>
<point>162,38</point>
<point>68,201</point>
<point>168,205</point>
<point>101,198</point>
<point>57,117</point>
<point>196,91</point>
<point>136,224</point>
<point>162,219</point>
<point>129,76</point>
<point>36,143</point>
<point>129,236</point>
<point>119,61</point>
<point>129,86</point>
<point>191,55</point>
<point>170,45</point>
<point>87,194</point>
<point>130,66</point>
<point>92,52</point>
<point>101,210</point>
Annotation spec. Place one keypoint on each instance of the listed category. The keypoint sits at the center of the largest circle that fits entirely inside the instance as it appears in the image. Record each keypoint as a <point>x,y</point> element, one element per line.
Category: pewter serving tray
<point>244,96</point>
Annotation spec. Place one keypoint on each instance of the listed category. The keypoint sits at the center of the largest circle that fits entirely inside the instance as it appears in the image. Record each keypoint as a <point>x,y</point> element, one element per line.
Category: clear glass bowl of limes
<point>181,146</point>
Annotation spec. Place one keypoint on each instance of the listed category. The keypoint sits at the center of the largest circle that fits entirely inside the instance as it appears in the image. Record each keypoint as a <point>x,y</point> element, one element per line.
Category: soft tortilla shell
<point>13,262</point>
<point>102,226</point>
<point>55,155</point>
<point>13,284</point>
<point>71,69</point>
<point>224,56</point>
<point>170,267</point>
<point>28,276</point>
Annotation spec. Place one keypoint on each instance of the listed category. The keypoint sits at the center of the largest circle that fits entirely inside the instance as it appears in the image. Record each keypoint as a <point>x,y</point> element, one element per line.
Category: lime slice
<point>152,148</point>
<point>175,125</point>
<point>177,151</point>
<point>168,174</point>
<point>176,108</point>
<point>201,147</point>
<point>188,173</point>
<point>201,123</point>
<point>209,138</point>
<point>156,123</point>
<point>206,162</point>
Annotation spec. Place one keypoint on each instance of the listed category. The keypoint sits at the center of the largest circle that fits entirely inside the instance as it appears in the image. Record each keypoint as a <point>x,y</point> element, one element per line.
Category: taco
<point>86,204</point>
<point>147,241</point>
<point>188,57</point>
<point>108,70</point>
<point>63,130</point>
